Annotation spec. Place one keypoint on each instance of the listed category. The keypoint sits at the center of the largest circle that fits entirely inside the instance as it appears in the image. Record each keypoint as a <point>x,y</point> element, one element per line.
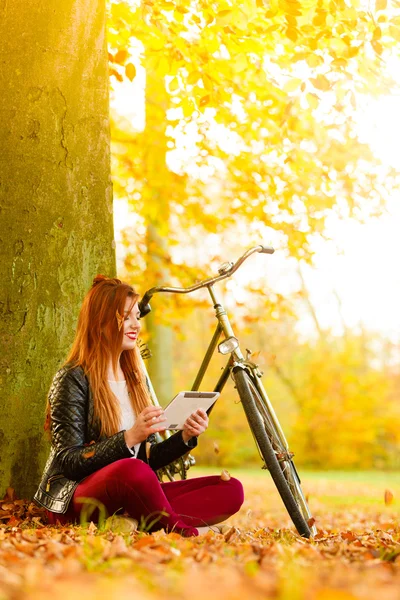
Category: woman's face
<point>131,325</point>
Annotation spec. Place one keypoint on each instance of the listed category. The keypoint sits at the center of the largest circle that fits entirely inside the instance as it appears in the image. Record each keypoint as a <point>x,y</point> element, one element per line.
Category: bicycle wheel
<point>251,401</point>
<point>284,456</point>
<point>178,467</point>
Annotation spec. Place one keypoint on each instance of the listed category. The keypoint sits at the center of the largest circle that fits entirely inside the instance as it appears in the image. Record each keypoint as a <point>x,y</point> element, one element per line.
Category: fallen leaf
<point>92,528</point>
<point>147,540</point>
<point>116,548</point>
<point>388,497</point>
<point>225,475</point>
<point>228,536</point>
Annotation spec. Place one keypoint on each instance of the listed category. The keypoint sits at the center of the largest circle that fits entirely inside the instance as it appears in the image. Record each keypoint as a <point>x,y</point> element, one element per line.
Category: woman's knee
<point>133,471</point>
<point>235,495</point>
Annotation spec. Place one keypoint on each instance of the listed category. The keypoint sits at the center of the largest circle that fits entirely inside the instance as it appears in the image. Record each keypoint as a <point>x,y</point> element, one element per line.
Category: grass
<point>324,489</point>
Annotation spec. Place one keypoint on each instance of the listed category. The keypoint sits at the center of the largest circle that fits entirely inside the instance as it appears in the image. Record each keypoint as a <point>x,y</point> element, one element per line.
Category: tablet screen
<point>186,403</point>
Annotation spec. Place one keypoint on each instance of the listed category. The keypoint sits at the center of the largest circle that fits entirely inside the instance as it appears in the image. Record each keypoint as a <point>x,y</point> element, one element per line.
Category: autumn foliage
<point>250,132</point>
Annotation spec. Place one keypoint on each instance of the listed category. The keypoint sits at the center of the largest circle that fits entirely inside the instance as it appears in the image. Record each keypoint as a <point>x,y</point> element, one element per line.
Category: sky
<point>360,284</point>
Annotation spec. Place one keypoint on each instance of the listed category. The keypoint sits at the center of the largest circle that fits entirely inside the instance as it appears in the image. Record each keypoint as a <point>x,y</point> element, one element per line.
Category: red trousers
<point>130,486</point>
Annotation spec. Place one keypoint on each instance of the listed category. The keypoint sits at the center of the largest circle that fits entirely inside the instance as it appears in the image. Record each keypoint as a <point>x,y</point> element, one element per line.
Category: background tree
<point>56,206</point>
<point>259,128</point>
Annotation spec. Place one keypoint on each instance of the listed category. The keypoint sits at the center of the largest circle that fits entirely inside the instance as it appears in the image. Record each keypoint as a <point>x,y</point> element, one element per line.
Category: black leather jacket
<point>74,456</point>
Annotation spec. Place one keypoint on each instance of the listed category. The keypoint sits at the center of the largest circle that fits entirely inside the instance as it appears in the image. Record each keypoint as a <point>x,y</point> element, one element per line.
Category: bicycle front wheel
<point>252,402</point>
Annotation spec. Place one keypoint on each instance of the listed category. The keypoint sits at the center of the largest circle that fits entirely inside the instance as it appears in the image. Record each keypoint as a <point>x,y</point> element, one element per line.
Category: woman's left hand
<point>195,425</point>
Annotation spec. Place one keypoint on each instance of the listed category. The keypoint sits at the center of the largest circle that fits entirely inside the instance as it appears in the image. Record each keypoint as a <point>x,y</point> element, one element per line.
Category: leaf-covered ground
<point>356,553</point>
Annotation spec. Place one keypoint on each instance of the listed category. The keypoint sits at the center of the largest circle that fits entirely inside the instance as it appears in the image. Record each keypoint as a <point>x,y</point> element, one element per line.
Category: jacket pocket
<point>51,480</point>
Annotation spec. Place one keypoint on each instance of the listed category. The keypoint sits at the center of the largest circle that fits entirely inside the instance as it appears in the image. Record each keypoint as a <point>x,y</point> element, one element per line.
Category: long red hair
<point>98,340</point>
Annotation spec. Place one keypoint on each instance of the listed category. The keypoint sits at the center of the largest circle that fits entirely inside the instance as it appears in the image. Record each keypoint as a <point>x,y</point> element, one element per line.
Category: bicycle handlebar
<point>226,270</point>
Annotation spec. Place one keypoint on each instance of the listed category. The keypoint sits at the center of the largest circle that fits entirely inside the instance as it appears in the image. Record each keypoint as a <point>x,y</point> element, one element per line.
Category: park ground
<point>356,554</point>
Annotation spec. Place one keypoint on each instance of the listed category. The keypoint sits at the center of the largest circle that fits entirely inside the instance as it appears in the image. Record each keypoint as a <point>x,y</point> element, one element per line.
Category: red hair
<point>98,340</point>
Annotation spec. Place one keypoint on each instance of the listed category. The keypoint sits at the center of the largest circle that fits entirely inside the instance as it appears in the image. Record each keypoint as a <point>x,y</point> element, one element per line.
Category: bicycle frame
<point>236,359</point>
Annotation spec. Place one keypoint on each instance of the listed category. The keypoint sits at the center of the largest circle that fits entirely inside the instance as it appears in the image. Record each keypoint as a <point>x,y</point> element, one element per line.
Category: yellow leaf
<point>292,84</point>
<point>377,47</point>
<point>173,84</point>
<point>319,19</point>
<point>130,71</point>
<point>205,100</point>
<point>157,42</point>
<point>321,83</point>
<point>117,75</point>
<point>224,17</point>
<point>353,51</point>
<point>187,107</point>
<point>293,8</point>
<point>313,100</point>
<point>291,33</point>
<point>388,497</point>
<point>339,62</point>
<point>250,8</point>
<point>207,81</point>
<point>121,57</point>
<point>377,34</point>
<point>313,60</point>
<point>380,5</point>
<point>193,77</point>
<point>252,45</point>
<point>240,63</point>
<point>182,9</point>
<point>178,16</point>
<point>212,44</point>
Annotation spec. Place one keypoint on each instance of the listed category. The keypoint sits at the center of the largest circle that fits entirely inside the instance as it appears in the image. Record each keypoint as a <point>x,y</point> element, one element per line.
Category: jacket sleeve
<point>164,453</point>
<point>68,399</point>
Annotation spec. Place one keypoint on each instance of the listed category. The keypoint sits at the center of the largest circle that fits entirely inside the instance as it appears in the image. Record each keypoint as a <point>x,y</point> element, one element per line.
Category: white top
<point>120,389</point>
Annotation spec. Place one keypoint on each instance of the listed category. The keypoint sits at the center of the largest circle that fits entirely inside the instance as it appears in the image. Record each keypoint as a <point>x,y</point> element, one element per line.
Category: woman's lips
<point>131,336</point>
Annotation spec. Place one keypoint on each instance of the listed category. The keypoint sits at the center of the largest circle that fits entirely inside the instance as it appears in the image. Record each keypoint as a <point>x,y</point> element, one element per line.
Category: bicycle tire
<point>284,456</point>
<point>258,429</point>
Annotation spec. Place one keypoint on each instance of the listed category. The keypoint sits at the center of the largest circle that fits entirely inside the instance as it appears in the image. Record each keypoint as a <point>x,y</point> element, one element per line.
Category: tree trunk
<point>55,205</point>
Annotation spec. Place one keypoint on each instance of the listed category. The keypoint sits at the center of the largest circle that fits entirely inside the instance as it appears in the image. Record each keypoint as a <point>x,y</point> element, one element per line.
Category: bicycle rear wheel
<point>284,475</point>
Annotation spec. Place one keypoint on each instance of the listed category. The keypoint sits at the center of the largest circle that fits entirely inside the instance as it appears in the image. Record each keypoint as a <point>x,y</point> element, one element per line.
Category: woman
<point>102,426</point>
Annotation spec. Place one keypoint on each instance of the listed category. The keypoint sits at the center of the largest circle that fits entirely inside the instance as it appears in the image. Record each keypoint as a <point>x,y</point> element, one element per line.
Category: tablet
<point>184,404</point>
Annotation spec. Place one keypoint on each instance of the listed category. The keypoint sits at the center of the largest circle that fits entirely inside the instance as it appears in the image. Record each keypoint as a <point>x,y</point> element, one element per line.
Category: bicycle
<point>264,425</point>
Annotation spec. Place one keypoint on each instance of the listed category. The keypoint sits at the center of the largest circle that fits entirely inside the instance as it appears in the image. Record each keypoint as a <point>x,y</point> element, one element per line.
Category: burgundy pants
<point>130,486</point>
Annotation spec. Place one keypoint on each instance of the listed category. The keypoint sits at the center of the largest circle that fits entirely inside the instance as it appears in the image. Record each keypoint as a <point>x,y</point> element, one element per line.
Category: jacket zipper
<point>51,479</point>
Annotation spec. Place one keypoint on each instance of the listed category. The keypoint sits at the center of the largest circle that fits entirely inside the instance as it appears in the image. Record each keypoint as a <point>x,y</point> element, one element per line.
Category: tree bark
<point>55,206</point>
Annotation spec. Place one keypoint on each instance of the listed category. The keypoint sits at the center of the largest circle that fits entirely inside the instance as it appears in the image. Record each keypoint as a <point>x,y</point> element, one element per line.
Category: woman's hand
<point>148,422</point>
<point>195,425</point>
